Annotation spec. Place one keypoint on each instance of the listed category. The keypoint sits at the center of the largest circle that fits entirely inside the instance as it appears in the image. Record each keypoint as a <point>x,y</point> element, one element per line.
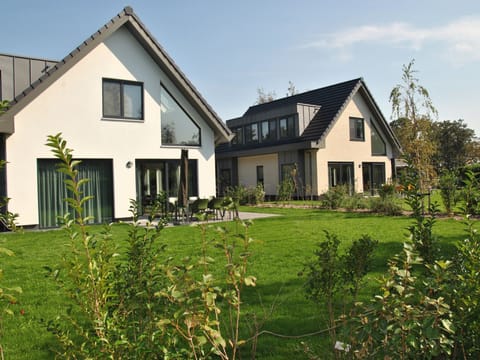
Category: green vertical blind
<point>52,191</point>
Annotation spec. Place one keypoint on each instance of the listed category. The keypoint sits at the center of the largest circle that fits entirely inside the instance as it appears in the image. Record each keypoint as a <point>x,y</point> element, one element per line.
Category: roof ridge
<point>305,92</point>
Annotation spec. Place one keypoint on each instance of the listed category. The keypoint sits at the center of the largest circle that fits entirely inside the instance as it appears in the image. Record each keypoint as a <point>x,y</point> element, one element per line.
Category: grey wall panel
<point>6,67</point>
<point>21,74</point>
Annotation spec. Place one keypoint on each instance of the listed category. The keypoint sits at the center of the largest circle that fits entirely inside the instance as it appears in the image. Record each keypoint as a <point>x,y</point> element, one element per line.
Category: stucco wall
<point>247,171</point>
<point>73,105</point>
<point>339,148</point>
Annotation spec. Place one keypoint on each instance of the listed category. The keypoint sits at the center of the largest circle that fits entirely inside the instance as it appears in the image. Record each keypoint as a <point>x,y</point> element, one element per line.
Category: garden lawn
<point>283,244</point>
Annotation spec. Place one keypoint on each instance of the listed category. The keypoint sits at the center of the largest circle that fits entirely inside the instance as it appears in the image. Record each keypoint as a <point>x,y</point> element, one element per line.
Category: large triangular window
<point>178,128</point>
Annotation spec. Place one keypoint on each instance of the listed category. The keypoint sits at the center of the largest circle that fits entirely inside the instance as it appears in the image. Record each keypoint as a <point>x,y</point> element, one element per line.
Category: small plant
<point>7,297</point>
<point>470,193</point>
<point>421,230</point>
<point>331,277</point>
<point>196,295</point>
<point>90,271</point>
<point>389,205</point>
<point>286,189</point>
<point>464,291</point>
<point>408,319</point>
<point>386,190</point>
<point>448,190</point>
<point>334,197</point>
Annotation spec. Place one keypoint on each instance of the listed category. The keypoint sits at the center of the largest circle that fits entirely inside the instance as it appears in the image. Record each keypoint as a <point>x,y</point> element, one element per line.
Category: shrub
<point>386,190</point>
<point>286,189</point>
<point>389,205</point>
<point>334,197</point>
<point>331,276</point>
<point>470,193</point>
<point>143,306</point>
<point>448,190</point>
<point>355,202</point>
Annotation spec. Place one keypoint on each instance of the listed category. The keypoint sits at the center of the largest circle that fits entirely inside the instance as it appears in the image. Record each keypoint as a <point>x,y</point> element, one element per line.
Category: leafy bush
<point>408,319</point>
<point>470,193</point>
<point>390,205</point>
<point>386,190</point>
<point>448,190</point>
<point>143,306</point>
<point>355,202</point>
<point>331,276</point>
<point>334,197</point>
<point>286,189</point>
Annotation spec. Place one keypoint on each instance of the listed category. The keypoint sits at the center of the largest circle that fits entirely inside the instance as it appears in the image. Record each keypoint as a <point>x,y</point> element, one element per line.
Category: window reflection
<point>177,126</point>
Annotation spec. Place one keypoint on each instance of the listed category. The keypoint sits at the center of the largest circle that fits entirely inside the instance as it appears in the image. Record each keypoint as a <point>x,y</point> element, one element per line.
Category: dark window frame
<point>238,138</point>
<point>355,135</point>
<point>343,167</point>
<point>249,139</point>
<point>290,127</point>
<point>377,133</point>
<point>260,175</point>
<point>122,83</point>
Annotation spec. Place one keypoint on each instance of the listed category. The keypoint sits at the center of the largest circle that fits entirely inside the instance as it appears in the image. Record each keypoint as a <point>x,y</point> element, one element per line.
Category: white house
<point>324,137</point>
<point>126,110</point>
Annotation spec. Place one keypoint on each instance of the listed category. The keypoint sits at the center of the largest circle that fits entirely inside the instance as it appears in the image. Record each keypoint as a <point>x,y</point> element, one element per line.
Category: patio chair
<point>199,206</point>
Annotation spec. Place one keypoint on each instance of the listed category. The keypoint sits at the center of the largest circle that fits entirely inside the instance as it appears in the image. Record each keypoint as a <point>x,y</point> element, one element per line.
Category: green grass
<point>283,245</point>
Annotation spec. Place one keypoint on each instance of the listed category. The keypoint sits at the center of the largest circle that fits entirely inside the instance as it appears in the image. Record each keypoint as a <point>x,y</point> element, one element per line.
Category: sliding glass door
<point>161,178</point>
<point>52,191</point>
<point>373,177</point>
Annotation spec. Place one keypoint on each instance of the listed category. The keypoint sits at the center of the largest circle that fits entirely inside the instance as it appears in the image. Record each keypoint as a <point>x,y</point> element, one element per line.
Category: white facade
<point>72,105</point>
<point>339,148</point>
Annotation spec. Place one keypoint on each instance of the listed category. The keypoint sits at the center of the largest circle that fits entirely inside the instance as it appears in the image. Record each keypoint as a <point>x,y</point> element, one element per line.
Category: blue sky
<point>229,49</point>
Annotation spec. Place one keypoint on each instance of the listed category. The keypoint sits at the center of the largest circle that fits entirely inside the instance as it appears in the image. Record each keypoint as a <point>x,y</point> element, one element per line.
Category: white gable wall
<point>339,148</point>
<point>73,106</point>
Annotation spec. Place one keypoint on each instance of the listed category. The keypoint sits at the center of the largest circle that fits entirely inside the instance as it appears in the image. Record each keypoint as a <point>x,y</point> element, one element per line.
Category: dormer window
<point>251,133</point>
<point>286,127</point>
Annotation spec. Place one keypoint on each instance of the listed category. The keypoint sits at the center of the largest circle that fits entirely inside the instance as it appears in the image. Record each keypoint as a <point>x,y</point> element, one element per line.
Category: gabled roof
<point>130,20</point>
<point>332,100</point>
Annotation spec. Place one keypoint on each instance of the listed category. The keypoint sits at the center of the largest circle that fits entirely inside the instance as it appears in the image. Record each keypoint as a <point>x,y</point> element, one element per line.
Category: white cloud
<point>460,39</point>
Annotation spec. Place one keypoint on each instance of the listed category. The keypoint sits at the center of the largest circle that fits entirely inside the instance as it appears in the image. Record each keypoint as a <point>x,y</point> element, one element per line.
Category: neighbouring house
<point>126,110</point>
<point>321,138</point>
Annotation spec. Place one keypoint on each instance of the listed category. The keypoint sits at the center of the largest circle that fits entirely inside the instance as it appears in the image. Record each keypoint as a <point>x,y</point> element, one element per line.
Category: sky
<point>230,49</point>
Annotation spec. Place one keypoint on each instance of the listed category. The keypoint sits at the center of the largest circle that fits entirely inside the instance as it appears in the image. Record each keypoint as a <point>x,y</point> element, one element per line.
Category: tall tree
<point>413,111</point>
<point>455,141</point>
<point>291,90</point>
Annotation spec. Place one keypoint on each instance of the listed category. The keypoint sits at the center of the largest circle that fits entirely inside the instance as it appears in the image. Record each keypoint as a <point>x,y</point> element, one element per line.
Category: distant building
<point>321,138</point>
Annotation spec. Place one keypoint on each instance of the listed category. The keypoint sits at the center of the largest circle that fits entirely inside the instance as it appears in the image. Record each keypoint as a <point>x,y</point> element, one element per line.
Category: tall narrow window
<point>122,99</point>
<point>378,145</point>
<point>238,138</point>
<point>260,178</point>
<point>286,127</point>
<point>251,133</point>
<point>178,128</point>
<point>357,131</point>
